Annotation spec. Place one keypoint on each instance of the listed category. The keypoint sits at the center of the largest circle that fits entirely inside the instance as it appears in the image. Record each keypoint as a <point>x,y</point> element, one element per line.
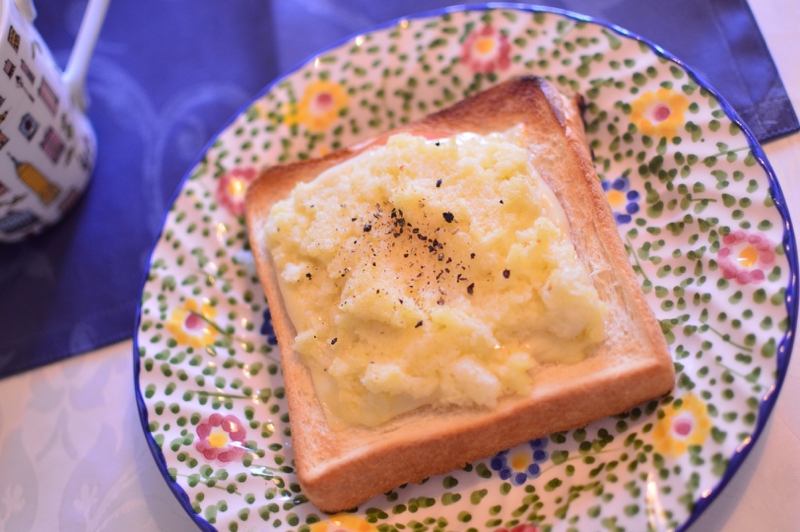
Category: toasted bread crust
<point>339,470</point>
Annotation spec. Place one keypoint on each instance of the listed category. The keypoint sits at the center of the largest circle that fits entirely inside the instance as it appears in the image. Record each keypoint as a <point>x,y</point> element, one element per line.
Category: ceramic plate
<point>696,205</point>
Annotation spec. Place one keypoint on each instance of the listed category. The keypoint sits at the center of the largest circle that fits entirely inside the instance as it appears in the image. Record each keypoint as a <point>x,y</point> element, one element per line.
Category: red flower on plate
<point>232,186</point>
<point>741,255</point>
<point>220,438</point>
<point>485,50</point>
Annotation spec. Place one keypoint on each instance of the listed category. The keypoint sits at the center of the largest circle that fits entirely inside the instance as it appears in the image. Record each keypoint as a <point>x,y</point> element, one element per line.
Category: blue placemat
<point>167,75</point>
<point>719,39</point>
<point>164,78</point>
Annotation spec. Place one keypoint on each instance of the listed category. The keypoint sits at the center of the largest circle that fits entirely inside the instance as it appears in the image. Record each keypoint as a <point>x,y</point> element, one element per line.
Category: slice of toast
<point>339,470</point>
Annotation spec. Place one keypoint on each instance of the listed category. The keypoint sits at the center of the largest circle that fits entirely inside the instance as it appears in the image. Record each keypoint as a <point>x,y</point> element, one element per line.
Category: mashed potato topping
<point>430,273</point>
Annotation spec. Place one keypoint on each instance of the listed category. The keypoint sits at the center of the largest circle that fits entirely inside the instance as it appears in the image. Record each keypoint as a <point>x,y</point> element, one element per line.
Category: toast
<point>340,469</point>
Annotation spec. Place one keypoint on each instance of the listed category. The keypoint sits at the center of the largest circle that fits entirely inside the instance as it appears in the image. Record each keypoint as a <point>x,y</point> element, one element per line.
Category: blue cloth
<point>718,39</point>
<point>167,75</point>
<point>164,78</point>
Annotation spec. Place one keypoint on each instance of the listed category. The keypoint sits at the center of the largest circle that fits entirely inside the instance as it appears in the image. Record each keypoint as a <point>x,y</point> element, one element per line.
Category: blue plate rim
<point>784,348</point>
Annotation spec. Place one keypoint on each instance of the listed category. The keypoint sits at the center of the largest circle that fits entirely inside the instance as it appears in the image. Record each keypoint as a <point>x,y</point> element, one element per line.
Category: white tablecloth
<point>71,433</point>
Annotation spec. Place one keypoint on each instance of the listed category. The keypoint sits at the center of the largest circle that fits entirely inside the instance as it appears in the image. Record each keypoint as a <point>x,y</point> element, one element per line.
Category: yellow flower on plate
<point>319,105</point>
<point>685,423</point>
<point>342,522</point>
<point>187,323</point>
<point>659,112</point>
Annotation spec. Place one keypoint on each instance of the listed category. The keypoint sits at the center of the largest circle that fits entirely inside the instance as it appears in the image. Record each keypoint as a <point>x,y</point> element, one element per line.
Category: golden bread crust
<point>339,470</point>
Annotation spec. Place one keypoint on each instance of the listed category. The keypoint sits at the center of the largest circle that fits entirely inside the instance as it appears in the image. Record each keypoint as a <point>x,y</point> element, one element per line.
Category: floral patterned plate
<point>696,204</point>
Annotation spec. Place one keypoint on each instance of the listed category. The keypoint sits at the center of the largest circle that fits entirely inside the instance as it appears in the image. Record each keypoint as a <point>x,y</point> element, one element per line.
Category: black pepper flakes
<point>471,289</point>
<point>438,183</point>
<point>367,228</point>
<point>334,341</point>
<point>308,275</point>
<point>506,274</point>
<point>419,324</point>
<point>448,217</point>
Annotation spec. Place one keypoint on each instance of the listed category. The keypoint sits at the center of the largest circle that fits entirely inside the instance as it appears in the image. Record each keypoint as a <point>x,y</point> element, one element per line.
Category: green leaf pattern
<point>696,188</point>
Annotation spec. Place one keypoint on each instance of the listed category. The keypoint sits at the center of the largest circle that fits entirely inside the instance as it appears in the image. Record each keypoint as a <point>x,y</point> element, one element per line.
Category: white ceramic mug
<point>47,145</point>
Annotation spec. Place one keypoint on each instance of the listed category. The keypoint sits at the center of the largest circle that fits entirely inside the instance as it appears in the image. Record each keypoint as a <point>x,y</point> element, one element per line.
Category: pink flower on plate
<point>220,438</point>
<point>522,527</point>
<point>232,186</point>
<point>743,254</point>
<point>485,50</point>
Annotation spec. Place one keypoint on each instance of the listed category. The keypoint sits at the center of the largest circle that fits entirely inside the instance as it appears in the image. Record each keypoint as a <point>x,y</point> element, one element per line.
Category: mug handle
<point>78,64</point>
<point>27,9</point>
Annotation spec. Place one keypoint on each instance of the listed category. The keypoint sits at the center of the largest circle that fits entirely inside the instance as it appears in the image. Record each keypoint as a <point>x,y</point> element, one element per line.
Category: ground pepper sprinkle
<point>409,267</point>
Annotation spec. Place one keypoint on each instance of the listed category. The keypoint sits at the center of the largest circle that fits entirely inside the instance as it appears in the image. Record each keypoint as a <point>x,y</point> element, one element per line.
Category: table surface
<point>72,430</point>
